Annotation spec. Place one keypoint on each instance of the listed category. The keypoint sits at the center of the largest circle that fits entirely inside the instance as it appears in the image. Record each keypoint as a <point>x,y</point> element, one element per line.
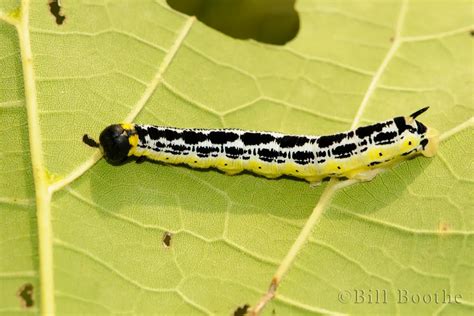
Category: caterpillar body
<point>356,154</point>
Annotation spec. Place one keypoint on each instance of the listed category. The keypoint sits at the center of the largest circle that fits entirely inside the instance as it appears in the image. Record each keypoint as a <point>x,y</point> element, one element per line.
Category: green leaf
<point>89,236</point>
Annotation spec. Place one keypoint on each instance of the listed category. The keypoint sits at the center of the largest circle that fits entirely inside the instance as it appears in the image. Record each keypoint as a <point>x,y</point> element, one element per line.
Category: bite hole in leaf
<point>167,239</point>
<point>55,9</point>
<point>266,21</point>
<point>25,293</point>
<point>241,310</point>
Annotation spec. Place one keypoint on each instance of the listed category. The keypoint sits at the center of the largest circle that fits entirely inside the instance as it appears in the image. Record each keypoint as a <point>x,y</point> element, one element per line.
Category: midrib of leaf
<point>44,188</point>
<point>43,198</point>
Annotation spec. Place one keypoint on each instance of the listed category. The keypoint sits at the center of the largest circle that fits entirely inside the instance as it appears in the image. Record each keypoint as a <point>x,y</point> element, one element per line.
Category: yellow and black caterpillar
<point>356,154</point>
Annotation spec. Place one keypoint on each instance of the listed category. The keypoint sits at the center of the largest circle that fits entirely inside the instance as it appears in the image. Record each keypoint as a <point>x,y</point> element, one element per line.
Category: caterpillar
<point>356,154</point>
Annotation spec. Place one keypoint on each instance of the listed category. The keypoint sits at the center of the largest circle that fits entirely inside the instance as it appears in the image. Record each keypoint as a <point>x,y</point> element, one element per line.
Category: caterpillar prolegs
<point>357,154</point>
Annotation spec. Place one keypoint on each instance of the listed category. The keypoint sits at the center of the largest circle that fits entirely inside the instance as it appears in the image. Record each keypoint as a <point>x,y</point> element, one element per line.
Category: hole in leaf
<point>267,21</point>
<point>55,9</point>
<point>167,239</point>
<point>25,293</point>
<point>241,311</point>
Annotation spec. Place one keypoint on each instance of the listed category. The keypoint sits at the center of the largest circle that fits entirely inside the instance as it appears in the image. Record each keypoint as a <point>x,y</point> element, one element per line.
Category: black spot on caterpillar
<point>353,154</point>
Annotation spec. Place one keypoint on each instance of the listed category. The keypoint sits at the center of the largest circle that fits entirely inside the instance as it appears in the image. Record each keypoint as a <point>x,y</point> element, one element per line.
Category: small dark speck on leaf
<point>55,9</point>
<point>443,227</point>
<point>167,239</point>
<point>25,293</point>
<point>392,39</point>
<point>241,311</point>
<point>471,32</point>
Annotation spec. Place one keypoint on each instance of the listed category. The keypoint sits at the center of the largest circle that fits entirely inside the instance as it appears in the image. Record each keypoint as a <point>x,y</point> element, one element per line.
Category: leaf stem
<point>464,125</point>
<point>43,198</point>
<point>324,200</point>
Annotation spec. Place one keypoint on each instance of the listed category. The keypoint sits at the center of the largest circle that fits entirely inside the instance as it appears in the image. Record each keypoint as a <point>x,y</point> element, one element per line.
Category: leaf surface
<point>351,63</point>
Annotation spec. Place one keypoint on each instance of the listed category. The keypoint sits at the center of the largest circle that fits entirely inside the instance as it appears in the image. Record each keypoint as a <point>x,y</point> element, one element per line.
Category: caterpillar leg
<point>366,175</point>
<point>315,184</point>
<point>314,181</point>
<point>231,172</point>
<point>140,159</point>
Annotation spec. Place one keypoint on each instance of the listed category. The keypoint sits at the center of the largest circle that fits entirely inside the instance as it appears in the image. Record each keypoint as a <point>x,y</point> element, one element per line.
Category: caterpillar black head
<point>115,142</point>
